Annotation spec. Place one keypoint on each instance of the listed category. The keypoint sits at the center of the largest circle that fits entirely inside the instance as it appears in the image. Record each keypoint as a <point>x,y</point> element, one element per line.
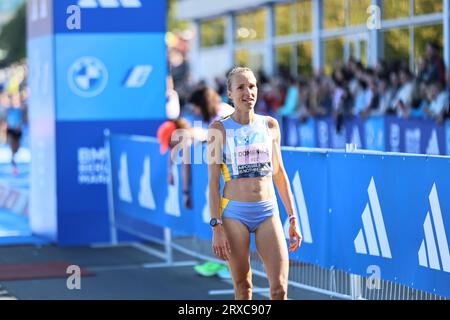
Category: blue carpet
<point>15,230</point>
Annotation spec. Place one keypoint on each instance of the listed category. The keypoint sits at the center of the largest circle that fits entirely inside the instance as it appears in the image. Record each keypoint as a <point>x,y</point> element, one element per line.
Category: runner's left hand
<point>293,234</point>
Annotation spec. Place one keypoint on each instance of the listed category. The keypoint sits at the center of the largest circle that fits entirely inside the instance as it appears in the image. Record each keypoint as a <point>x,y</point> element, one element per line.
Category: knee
<point>243,289</point>
<point>278,292</point>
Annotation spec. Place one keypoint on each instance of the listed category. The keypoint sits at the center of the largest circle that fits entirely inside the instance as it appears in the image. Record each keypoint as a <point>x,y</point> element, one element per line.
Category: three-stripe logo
<point>430,251</point>
<point>302,210</point>
<point>109,4</point>
<point>373,228</point>
<point>138,76</point>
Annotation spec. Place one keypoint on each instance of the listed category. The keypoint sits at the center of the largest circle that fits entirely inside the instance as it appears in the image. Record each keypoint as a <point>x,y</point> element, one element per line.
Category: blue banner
<point>290,132</point>
<point>306,132</point>
<point>81,181</point>
<point>329,134</point>
<point>141,188</point>
<point>447,136</point>
<point>102,16</point>
<point>94,65</point>
<point>101,78</point>
<point>415,136</point>
<point>307,184</point>
<point>355,132</point>
<point>383,219</point>
<point>374,134</point>
<point>357,212</point>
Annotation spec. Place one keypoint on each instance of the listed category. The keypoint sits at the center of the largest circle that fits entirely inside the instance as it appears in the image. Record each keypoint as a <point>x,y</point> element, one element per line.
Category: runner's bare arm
<point>280,177</point>
<point>281,181</point>
<point>215,147</point>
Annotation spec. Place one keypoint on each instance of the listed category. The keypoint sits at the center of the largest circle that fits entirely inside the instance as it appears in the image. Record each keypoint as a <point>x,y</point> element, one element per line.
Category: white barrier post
<point>168,245</point>
<point>112,218</point>
<point>355,287</point>
<point>350,147</point>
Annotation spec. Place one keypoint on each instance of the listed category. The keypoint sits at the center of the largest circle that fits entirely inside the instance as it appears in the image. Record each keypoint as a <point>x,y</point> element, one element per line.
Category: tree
<point>13,37</point>
<point>173,24</point>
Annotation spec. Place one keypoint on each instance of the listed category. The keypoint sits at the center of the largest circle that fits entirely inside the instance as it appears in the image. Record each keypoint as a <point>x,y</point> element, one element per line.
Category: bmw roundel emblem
<point>87,77</point>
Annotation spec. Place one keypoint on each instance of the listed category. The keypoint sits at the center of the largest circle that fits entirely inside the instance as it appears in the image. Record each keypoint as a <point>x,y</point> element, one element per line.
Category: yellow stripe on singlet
<point>223,205</point>
<point>225,173</point>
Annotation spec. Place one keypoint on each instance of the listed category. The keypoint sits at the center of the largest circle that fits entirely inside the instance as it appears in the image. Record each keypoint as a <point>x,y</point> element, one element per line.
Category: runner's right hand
<point>220,245</point>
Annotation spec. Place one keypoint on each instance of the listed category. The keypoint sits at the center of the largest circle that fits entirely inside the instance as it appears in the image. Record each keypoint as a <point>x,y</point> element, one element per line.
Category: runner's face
<point>243,91</point>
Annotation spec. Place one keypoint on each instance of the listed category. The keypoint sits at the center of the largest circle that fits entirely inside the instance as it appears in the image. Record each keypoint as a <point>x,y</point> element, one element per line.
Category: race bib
<point>252,154</point>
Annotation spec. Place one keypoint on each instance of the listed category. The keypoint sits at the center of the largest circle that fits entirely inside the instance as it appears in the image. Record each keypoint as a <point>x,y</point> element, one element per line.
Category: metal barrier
<point>335,283</point>
<point>332,282</point>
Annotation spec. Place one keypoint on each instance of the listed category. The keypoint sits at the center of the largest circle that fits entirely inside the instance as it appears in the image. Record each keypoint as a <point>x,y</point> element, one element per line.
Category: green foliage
<point>13,37</point>
<point>173,24</point>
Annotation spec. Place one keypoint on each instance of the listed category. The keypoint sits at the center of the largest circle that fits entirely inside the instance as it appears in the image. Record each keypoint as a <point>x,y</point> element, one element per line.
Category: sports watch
<point>214,222</point>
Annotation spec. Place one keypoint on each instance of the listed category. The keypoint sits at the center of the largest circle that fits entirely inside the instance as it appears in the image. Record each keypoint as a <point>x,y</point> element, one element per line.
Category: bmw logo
<point>87,77</point>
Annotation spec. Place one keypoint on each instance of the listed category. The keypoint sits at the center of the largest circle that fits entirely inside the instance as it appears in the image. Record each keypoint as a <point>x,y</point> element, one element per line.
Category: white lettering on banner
<point>374,279</point>
<point>374,20</point>
<point>395,137</point>
<point>356,138</point>
<point>92,167</point>
<point>109,4</point>
<point>428,253</point>
<point>306,135</point>
<point>322,128</point>
<point>433,145</point>
<point>370,136</point>
<point>373,228</point>
<point>374,137</point>
<point>380,139</point>
<point>412,140</point>
<point>39,10</point>
<point>124,183</point>
<point>292,135</point>
<point>172,204</point>
<point>146,199</point>
<point>73,22</point>
<point>74,280</point>
<point>303,222</point>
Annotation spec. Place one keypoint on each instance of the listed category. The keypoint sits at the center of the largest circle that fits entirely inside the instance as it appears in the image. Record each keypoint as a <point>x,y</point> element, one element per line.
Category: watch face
<point>213,222</point>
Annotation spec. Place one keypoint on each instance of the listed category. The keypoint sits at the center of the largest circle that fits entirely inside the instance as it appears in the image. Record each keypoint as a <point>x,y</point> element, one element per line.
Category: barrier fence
<point>374,224</point>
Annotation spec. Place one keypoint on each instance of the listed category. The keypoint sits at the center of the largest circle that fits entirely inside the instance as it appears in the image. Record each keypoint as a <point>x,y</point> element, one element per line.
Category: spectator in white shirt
<point>438,98</point>
<point>403,98</point>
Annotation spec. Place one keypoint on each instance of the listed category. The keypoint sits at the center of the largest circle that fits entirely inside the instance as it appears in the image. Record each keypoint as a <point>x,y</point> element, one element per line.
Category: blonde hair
<point>234,71</point>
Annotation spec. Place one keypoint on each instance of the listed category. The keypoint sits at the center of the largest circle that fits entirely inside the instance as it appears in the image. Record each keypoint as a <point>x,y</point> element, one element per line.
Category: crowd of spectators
<point>389,88</point>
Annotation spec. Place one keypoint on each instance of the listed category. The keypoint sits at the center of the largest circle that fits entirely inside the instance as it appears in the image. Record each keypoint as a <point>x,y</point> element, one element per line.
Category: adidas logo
<point>373,228</point>
<point>146,198</point>
<point>172,203</point>
<point>430,251</point>
<point>138,76</point>
<point>109,4</point>
<point>300,209</point>
<point>433,145</point>
<point>124,182</point>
